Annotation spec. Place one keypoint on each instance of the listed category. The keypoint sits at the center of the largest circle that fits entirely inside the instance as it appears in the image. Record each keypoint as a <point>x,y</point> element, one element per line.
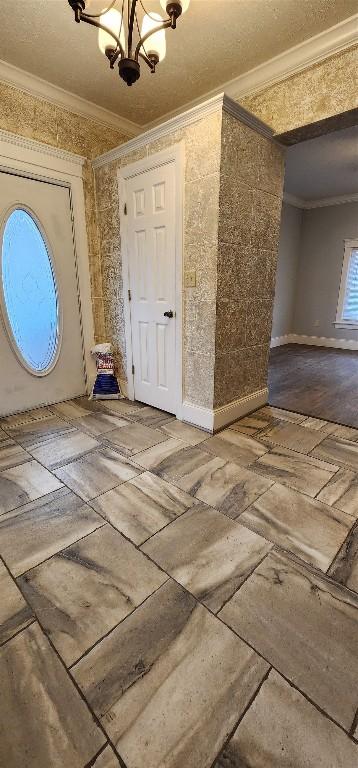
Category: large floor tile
<point>64,448</point>
<point>280,413</point>
<point>97,472</point>
<point>99,423</point>
<point>304,526</point>
<point>306,626</point>
<point>122,407</point>
<point>179,461</point>
<point>251,425</point>
<point>224,485</point>
<point>11,455</point>
<point>84,591</point>
<point>107,759</point>
<point>342,492</point>
<point>15,614</point>
<point>24,483</point>
<point>345,567</point>
<point>169,683</point>
<point>142,506</point>
<point>25,417</point>
<point>77,408</point>
<point>153,457</point>
<point>231,445</point>
<point>36,531</point>
<point>282,729</point>
<point>326,427</point>
<point>298,471</point>
<point>295,437</point>
<point>134,438</point>
<point>339,451</point>
<point>38,431</point>
<point>44,721</point>
<point>152,417</point>
<point>207,553</point>
<point>185,432</point>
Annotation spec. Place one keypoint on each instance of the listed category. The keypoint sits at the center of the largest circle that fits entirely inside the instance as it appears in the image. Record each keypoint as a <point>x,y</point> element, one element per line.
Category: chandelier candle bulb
<point>154,46</point>
<point>111,20</point>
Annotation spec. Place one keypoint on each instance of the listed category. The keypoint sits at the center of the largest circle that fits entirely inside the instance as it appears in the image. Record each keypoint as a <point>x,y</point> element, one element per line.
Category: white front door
<point>41,348</point>
<point>151,249</point>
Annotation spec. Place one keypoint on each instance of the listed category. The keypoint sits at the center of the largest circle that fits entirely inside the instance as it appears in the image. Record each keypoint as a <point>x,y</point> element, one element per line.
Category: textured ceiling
<point>324,167</point>
<point>215,41</point>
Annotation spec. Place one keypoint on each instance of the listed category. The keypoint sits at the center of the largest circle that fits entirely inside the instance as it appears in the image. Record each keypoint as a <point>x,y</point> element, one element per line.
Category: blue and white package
<point>106,386</point>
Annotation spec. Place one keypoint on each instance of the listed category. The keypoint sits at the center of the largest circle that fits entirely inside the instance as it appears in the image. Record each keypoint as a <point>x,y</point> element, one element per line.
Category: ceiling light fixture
<point>116,34</point>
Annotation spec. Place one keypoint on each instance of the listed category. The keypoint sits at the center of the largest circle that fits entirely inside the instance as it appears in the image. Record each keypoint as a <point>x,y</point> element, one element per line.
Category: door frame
<point>41,162</point>
<point>175,155</point>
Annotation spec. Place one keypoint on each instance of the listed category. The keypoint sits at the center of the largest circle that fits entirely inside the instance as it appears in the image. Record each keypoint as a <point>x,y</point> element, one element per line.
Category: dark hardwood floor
<point>316,381</point>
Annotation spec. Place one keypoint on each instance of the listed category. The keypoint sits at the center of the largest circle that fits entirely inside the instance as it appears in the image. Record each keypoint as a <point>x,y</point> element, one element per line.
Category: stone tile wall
<point>251,182</point>
<point>43,121</point>
<point>326,89</point>
<point>202,142</point>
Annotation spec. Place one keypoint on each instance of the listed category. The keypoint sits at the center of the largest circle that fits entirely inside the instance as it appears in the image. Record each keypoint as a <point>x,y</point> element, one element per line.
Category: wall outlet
<point>316,324</point>
<point>190,279</point>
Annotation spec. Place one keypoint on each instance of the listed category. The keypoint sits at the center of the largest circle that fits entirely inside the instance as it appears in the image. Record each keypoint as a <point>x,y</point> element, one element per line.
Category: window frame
<point>340,322</point>
<point>3,307</point>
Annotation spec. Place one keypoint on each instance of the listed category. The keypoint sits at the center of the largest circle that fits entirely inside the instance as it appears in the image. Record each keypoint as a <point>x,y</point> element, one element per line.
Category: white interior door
<point>152,274</point>
<point>41,346</point>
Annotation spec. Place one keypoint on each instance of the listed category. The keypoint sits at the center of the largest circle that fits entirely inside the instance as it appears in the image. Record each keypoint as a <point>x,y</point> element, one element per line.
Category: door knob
<point>170,313</point>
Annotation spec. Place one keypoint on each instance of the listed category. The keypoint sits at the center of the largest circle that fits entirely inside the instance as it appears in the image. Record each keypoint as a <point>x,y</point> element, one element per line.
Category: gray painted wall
<point>319,269</point>
<point>288,258</point>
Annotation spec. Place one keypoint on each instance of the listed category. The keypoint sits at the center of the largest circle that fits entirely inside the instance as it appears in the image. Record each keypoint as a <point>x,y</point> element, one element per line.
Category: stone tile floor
<point>171,599</point>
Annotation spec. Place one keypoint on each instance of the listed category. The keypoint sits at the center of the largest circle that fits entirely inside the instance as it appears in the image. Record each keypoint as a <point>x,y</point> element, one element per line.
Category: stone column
<point>250,199</point>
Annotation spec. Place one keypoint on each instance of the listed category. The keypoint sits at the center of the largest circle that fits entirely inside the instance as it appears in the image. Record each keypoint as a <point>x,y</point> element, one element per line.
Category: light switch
<point>190,279</point>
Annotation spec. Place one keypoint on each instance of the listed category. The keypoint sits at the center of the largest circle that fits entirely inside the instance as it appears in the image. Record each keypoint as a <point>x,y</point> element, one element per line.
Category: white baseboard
<point>217,418</point>
<point>279,341</point>
<point>314,341</point>
<point>199,417</point>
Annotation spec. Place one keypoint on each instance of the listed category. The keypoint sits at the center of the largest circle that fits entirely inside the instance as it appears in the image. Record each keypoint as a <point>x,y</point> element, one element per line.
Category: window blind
<point>350,306</point>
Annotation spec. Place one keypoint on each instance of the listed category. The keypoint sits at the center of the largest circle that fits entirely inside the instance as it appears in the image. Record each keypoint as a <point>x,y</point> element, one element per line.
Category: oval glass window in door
<point>29,293</point>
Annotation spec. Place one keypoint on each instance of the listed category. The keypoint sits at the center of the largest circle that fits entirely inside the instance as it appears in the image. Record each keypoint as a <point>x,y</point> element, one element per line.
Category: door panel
<point>20,389</point>
<point>151,254</point>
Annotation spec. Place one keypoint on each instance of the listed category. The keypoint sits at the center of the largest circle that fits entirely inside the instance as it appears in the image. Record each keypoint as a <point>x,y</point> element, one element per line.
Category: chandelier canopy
<point>121,39</point>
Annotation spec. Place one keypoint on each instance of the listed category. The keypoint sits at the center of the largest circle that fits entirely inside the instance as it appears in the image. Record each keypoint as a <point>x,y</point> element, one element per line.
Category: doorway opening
<point>314,346</point>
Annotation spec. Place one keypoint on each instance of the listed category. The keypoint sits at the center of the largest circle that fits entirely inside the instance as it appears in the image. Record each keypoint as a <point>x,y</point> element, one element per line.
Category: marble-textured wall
<point>43,121</point>
<point>251,183</point>
<point>328,88</point>
<point>202,142</point>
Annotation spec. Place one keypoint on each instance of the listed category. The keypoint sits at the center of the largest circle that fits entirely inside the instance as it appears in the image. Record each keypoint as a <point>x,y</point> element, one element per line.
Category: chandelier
<point>121,38</point>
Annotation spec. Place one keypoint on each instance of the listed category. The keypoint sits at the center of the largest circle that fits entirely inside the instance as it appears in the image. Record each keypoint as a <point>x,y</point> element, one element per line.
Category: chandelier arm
<point>94,23</point>
<point>165,25</point>
<point>147,61</point>
<point>105,10</point>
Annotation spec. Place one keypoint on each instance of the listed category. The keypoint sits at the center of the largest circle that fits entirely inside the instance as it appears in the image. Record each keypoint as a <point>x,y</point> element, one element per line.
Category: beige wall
<point>41,120</point>
<point>326,89</point>
<point>201,192</point>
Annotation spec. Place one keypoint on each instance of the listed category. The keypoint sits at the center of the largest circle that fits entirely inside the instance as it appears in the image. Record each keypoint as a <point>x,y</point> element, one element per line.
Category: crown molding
<point>302,56</point>
<point>325,202</point>
<point>218,103</point>
<point>42,89</point>
<point>14,139</point>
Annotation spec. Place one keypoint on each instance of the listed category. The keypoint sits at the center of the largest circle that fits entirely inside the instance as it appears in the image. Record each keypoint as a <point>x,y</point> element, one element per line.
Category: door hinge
<point>133,369</point>
<point>129,295</point>
<point>125,209</point>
